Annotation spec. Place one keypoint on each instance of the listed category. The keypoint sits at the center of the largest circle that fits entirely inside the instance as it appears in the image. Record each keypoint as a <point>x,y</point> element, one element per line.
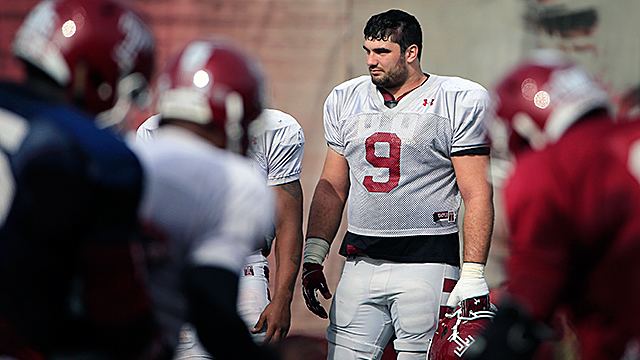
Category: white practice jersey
<point>402,178</point>
<point>210,205</point>
<point>277,146</point>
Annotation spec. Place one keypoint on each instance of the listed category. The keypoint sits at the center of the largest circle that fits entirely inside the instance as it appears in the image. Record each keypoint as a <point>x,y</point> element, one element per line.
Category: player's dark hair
<point>397,26</point>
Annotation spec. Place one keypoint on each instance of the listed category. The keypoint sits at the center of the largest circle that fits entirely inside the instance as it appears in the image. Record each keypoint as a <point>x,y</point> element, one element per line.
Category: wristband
<point>315,250</point>
<point>472,270</point>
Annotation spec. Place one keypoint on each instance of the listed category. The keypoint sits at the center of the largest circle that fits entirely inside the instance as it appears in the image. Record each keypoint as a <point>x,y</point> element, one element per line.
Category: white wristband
<point>315,250</point>
<point>472,270</point>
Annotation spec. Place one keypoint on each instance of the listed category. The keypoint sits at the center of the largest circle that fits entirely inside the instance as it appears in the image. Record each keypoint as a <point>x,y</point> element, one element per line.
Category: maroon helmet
<point>541,98</point>
<point>458,329</point>
<point>211,81</point>
<point>87,47</point>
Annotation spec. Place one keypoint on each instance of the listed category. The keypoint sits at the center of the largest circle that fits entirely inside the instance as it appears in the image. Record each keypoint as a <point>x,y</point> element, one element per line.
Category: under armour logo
<point>248,270</point>
<point>476,301</point>
<point>428,102</point>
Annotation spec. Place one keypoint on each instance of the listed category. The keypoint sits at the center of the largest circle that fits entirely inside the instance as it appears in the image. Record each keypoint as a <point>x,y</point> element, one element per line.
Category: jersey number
<point>391,162</point>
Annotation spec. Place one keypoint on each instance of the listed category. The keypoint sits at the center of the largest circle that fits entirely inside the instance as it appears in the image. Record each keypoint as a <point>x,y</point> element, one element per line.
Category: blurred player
<point>277,146</point>
<point>205,207</point>
<point>572,206</point>
<point>405,147</point>
<point>71,280</point>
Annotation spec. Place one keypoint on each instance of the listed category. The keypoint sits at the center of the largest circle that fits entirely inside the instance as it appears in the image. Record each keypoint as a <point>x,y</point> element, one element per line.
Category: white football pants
<point>253,292</point>
<point>376,298</point>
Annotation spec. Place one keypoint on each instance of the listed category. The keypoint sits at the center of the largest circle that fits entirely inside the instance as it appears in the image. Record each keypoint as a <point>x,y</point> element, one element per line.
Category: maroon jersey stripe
<point>448,285</point>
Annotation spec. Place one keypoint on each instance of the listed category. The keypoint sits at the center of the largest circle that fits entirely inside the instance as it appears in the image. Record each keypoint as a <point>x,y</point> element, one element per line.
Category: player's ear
<point>411,54</point>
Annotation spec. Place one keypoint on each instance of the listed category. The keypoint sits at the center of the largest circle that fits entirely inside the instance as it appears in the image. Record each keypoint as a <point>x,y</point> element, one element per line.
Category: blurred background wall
<point>309,46</point>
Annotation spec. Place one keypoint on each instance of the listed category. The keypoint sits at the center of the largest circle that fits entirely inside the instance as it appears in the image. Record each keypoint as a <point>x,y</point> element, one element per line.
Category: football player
<point>405,147</point>
<point>571,205</point>
<point>71,283</point>
<point>277,147</point>
<point>205,207</point>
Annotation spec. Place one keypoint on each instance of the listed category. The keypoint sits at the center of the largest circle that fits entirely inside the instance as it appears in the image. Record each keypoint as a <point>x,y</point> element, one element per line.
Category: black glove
<point>313,279</point>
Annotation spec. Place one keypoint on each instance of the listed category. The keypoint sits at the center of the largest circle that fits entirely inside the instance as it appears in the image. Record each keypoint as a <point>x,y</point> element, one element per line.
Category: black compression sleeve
<point>212,294</point>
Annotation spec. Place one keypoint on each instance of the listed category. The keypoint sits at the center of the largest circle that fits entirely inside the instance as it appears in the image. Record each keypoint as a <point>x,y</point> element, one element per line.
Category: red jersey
<point>575,238</point>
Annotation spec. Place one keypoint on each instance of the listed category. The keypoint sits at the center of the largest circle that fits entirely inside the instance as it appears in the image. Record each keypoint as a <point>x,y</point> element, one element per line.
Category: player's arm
<point>328,203</point>
<point>477,194</point>
<point>288,249</point>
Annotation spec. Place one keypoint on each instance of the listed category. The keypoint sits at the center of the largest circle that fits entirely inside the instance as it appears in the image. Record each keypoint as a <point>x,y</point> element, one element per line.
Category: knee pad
<point>343,348</point>
<point>410,346</point>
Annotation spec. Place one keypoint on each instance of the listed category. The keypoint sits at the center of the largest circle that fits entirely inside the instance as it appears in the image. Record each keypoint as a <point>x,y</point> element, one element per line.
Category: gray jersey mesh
<point>427,180</point>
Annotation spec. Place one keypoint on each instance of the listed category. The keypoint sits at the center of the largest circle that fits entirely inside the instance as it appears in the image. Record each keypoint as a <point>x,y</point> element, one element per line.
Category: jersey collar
<point>382,97</point>
<point>388,99</point>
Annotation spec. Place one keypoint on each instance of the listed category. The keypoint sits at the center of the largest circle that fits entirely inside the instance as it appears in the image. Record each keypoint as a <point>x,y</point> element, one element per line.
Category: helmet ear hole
<point>104,91</point>
<point>79,80</point>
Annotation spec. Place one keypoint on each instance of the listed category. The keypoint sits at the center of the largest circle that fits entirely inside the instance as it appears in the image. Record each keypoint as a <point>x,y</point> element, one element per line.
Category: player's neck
<point>415,80</point>
<point>391,99</point>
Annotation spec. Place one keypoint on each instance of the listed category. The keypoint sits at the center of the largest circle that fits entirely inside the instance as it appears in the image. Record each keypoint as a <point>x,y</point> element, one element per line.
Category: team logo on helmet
<point>459,329</point>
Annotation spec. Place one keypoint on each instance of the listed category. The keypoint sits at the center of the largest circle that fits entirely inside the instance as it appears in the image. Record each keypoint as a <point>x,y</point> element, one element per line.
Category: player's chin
<point>377,78</point>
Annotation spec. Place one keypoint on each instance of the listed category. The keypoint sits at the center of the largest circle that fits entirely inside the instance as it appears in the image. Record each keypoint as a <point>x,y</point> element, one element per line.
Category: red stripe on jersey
<point>448,285</point>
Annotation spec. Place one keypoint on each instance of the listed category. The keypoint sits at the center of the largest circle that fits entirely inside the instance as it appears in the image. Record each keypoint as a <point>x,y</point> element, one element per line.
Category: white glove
<point>471,284</point>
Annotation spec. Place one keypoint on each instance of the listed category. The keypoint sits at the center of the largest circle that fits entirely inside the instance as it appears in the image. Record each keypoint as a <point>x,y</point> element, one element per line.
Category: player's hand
<point>276,318</point>
<point>470,285</point>
<point>313,279</point>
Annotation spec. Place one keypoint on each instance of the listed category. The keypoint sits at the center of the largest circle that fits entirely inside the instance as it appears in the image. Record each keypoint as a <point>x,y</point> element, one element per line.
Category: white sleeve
<point>231,229</point>
<point>284,156</point>
<point>332,124</point>
<point>146,130</point>
<point>469,131</point>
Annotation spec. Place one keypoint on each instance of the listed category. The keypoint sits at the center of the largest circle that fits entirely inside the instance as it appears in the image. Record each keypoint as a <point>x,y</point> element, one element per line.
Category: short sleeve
<point>284,155</point>
<point>469,133</point>
<point>332,124</point>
